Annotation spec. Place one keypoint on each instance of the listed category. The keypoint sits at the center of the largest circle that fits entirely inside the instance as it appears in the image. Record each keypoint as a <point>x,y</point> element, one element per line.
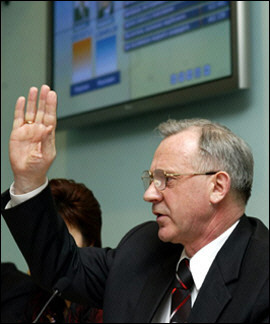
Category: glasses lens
<point>159,179</point>
<point>146,179</point>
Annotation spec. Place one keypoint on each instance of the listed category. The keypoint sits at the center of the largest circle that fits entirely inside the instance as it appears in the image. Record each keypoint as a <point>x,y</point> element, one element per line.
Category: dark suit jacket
<point>22,301</point>
<point>16,290</point>
<point>130,281</point>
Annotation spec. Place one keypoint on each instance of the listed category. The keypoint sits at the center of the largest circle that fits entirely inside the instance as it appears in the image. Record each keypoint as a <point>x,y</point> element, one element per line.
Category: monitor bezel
<point>239,79</point>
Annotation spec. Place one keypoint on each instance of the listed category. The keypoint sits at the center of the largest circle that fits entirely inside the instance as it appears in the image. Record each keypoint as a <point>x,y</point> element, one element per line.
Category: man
<point>199,183</point>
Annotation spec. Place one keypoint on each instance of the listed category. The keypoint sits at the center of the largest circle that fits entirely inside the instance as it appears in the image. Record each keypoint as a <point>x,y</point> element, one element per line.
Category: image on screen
<point>112,52</point>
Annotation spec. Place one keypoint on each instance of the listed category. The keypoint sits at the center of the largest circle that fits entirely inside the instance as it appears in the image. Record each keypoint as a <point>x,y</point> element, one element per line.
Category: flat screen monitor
<point>113,59</point>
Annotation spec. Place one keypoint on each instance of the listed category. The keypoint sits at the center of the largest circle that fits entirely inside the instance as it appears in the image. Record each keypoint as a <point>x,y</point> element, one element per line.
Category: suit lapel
<point>212,298</point>
<point>215,291</point>
<point>157,285</point>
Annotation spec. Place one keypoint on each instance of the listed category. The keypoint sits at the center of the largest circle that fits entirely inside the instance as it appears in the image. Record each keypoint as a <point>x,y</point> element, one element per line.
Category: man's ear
<point>221,184</point>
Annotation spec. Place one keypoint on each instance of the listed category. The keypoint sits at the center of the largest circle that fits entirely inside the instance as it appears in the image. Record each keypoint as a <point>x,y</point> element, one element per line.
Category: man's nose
<point>152,194</point>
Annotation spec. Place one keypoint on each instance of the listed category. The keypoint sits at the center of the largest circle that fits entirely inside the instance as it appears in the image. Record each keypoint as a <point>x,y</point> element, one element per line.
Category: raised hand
<point>32,140</point>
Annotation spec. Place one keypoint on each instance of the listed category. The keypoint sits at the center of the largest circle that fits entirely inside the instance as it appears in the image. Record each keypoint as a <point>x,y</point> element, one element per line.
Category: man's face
<point>182,208</point>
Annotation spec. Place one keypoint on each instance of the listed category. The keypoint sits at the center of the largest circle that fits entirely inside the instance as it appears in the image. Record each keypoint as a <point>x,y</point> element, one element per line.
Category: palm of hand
<point>32,148</point>
<point>32,140</point>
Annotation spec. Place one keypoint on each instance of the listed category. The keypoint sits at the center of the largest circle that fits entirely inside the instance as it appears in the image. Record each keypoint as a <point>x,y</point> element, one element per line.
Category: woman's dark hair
<point>78,207</point>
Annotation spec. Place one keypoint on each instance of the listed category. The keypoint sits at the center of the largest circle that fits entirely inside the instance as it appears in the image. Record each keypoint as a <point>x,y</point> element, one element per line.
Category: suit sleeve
<point>51,252</point>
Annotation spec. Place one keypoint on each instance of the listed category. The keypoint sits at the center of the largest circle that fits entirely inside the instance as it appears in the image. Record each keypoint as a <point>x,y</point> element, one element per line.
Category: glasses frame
<point>168,174</point>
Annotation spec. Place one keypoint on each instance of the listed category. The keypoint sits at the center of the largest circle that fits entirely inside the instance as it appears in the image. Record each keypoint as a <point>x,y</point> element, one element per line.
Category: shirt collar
<point>201,261</point>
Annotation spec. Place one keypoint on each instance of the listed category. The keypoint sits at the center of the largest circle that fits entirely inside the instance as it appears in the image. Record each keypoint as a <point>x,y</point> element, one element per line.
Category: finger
<point>19,113</point>
<point>31,104</point>
<point>42,103</point>
<point>48,144</point>
<point>50,109</point>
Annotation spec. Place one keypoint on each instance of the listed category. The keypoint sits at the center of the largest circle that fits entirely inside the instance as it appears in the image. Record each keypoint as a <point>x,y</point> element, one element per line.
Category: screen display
<point>107,53</point>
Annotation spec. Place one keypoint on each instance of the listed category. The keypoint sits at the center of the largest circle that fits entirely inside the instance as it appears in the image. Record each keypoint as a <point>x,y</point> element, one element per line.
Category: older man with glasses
<point>202,261</point>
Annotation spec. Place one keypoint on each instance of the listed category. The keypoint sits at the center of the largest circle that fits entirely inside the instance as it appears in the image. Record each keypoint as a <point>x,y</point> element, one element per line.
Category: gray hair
<point>219,149</point>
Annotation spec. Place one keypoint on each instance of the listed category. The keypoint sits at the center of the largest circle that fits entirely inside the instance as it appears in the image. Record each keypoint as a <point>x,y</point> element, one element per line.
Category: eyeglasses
<point>160,177</point>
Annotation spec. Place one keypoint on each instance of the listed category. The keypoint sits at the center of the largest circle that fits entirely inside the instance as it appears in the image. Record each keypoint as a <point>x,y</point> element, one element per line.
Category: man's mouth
<point>158,215</point>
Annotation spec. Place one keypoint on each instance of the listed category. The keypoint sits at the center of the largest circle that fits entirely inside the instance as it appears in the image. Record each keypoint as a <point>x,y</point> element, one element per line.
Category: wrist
<point>23,185</point>
<point>18,199</point>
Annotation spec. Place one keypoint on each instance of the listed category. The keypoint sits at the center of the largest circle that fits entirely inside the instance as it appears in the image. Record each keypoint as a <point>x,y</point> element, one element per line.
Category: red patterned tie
<point>181,303</point>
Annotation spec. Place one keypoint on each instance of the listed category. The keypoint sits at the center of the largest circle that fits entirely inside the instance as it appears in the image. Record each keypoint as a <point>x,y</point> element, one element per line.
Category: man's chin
<point>167,236</point>
<point>164,235</point>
